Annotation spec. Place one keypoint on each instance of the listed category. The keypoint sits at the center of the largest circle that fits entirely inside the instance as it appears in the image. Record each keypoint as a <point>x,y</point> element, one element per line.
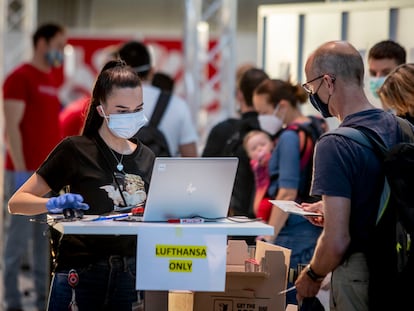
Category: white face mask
<point>125,125</point>
<point>270,123</point>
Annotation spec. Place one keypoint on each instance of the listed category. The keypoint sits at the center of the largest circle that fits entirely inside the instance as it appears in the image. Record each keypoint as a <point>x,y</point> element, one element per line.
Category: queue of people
<point>281,156</point>
<point>350,204</point>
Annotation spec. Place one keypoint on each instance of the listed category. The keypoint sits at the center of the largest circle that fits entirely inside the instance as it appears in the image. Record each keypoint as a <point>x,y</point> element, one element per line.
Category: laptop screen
<point>190,187</point>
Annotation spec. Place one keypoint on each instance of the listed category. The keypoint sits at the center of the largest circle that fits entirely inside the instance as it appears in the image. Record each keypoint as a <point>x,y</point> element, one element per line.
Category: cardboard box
<point>249,291</point>
<point>244,291</point>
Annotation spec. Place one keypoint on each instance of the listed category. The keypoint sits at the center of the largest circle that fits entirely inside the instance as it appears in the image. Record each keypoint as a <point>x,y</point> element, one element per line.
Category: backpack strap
<point>297,128</point>
<point>160,106</point>
<point>306,129</point>
<point>405,125</point>
<point>308,134</point>
<point>355,134</point>
<point>365,137</point>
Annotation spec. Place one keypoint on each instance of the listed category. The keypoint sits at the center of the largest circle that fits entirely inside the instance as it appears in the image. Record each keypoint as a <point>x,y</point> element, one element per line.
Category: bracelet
<point>314,277</point>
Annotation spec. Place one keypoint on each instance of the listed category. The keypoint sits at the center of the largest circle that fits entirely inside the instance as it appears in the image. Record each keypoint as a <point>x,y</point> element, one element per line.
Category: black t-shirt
<point>218,137</point>
<point>89,168</point>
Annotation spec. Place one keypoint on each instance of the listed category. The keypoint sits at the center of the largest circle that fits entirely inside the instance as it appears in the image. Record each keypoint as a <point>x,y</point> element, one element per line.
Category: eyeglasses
<point>309,89</point>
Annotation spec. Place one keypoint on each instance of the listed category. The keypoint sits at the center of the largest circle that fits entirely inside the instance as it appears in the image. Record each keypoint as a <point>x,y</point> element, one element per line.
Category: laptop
<point>190,187</point>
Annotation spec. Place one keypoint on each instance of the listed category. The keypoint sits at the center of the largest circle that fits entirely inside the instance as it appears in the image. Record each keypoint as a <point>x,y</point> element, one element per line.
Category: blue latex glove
<point>56,205</point>
<point>20,178</point>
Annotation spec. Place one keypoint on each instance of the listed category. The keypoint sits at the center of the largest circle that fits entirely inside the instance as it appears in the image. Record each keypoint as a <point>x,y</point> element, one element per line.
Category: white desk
<point>158,300</point>
<point>250,228</point>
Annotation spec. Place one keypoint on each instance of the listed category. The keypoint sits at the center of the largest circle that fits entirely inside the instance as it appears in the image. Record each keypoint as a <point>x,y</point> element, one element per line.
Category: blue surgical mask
<point>54,58</point>
<point>320,105</point>
<point>125,125</point>
<point>375,83</point>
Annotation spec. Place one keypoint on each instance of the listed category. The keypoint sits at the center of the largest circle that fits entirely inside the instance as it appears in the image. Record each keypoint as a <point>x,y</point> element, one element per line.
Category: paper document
<point>292,207</point>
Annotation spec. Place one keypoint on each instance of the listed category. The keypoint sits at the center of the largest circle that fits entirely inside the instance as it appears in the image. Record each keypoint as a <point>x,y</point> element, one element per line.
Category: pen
<point>109,217</point>
<point>186,221</point>
<point>287,290</point>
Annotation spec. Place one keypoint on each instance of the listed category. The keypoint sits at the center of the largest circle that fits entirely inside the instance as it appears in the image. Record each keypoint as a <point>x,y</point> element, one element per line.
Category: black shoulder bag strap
<point>365,137</point>
<point>160,106</point>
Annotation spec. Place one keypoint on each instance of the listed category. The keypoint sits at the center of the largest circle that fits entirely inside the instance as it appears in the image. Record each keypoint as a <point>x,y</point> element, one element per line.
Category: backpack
<point>241,203</point>
<point>389,255</point>
<point>308,135</point>
<point>150,135</point>
<point>234,144</point>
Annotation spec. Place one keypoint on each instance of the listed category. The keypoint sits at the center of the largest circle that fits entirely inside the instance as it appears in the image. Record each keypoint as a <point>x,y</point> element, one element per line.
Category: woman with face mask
<point>397,92</point>
<point>98,270</point>
<point>290,166</point>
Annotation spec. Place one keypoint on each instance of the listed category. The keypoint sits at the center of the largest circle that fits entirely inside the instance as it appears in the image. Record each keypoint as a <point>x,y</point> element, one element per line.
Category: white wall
<point>287,34</point>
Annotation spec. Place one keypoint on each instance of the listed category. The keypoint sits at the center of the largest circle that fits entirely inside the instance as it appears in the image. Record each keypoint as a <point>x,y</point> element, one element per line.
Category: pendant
<point>120,167</point>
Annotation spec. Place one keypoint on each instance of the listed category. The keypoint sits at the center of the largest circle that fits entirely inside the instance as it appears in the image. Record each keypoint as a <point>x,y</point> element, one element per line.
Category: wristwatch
<point>314,277</point>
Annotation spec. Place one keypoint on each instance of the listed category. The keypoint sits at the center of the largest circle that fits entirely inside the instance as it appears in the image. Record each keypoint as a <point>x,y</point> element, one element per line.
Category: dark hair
<point>388,49</point>
<point>279,89</point>
<point>249,81</point>
<point>115,74</point>
<point>163,81</point>
<point>47,32</point>
<point>136,55</point>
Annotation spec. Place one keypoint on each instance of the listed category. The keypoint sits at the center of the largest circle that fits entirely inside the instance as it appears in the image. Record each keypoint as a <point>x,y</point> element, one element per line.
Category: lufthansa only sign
<point>180,259</point>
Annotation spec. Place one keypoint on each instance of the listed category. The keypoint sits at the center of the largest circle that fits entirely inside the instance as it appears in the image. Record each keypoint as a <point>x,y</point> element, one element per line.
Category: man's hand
<point>306,287</point>
<point>316,207</point>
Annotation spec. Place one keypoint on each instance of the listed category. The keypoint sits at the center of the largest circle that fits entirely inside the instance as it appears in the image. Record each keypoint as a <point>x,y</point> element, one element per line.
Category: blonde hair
<point>397,92</point>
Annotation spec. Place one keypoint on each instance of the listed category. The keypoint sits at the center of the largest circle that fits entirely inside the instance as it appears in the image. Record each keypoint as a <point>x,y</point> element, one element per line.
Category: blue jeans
<point>19,230</point>
<point>300,236</point>
<point>108,284</point>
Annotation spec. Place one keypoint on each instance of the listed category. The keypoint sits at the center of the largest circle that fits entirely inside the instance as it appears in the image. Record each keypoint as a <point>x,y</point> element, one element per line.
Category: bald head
<point>338,58</point>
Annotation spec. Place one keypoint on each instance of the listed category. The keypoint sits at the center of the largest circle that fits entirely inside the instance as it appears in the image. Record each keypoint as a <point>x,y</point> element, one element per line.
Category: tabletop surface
<point>230,226</point>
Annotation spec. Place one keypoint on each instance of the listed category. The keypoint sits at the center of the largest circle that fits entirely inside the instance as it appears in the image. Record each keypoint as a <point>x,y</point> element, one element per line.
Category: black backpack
<point>389,254</point>
<point>243,191</point>
<point>234,144</point>
<point>150,135</point>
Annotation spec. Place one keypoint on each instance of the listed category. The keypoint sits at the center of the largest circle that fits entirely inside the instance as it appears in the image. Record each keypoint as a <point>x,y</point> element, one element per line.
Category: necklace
<point>119,166</point>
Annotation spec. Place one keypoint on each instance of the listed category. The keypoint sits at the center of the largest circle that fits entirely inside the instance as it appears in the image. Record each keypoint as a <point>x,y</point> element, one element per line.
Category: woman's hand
<point>68,200</point>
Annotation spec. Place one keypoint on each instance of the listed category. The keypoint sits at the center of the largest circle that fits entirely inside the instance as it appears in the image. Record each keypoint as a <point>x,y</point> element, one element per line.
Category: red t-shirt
<point>39,126</point>
<point>73,116</point>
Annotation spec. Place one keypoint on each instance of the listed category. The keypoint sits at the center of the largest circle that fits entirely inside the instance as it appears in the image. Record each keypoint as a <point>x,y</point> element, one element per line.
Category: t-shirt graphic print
<point>126,191</point>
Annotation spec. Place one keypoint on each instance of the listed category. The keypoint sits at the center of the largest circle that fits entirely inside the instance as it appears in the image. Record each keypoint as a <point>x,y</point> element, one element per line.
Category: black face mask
<point>320,105</point>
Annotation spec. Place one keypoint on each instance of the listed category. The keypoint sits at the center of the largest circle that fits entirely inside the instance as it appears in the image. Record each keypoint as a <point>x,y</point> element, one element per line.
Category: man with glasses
<point>348,178</point>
